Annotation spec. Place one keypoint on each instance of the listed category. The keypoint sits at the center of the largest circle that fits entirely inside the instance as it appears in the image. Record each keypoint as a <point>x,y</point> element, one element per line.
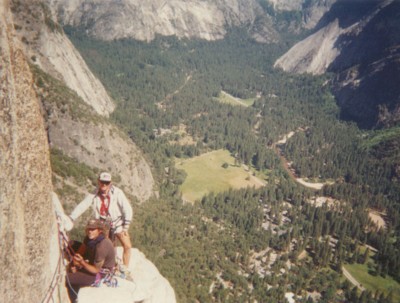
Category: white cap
<point>105,177</point>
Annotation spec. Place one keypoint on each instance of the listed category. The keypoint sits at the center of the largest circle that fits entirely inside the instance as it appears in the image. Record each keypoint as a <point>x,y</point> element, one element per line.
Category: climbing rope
<point>56,279</point>
<point>63,245</point>
<point>66,250</point>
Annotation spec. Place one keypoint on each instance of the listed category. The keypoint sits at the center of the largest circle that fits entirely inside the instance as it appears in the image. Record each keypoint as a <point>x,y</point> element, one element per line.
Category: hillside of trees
<point>205,250</point>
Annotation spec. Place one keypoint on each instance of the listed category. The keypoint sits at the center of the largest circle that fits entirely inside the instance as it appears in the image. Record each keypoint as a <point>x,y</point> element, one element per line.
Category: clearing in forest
<point>182,137</point>
<point>361,274</point>
<point>224,97</point>
<point>216,172</point>
<point>321,200</point>
<point>377,218</point>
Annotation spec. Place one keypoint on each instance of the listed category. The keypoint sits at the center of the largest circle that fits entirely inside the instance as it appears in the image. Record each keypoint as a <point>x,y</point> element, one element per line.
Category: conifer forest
<point>257,243</point>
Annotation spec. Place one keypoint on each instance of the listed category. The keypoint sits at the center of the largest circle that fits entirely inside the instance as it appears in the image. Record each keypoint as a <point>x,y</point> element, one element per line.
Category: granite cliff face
<point>358,41</point>
<point>143,20</point>
<point>206,19</point>
<point>26,218</point>
<point>314,54</point>
<point>102,145</point>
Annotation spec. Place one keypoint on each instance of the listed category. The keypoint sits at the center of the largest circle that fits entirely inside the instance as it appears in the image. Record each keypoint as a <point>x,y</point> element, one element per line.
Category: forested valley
<point>211,250</point>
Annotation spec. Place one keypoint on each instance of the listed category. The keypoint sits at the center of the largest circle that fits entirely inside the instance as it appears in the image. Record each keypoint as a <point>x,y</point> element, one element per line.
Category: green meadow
<point>380,136</point>
<point>229,99</point>
<point>373,283</point>
<point>206,174</point>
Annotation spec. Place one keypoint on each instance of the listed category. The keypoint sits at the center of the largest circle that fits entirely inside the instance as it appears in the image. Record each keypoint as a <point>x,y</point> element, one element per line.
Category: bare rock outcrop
<point>317,52</point>
<point>287,5</point>
<point>314,54</point>
<point>100,144</point>
<point>26,220</point>
<point>63,58</point>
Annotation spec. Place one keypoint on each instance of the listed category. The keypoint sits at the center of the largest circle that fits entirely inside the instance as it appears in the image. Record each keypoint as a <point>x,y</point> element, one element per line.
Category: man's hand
<point>68,222</point>
<point>78,260</point>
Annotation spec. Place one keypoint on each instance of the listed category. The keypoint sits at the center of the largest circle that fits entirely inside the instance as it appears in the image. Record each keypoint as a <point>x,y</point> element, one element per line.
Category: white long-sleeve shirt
<point>119,208</point>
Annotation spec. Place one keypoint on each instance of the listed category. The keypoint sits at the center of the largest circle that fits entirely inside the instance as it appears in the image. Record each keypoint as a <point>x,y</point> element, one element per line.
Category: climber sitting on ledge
<point>94,257</point>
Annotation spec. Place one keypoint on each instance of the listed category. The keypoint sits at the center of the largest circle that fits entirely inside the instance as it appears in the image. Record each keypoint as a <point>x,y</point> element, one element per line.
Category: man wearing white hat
<point>110,204</point>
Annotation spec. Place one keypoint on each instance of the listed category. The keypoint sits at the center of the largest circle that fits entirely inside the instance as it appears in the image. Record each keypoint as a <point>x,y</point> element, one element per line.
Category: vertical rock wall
<point>26,216</point>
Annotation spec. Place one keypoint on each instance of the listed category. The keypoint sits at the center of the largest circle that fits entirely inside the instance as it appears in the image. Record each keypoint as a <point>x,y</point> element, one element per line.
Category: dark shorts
<point>74,281</point>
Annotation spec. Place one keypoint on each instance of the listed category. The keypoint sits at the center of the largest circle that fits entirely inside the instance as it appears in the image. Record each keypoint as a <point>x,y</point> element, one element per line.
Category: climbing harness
<point>106,216</point>
<point>107,277</point>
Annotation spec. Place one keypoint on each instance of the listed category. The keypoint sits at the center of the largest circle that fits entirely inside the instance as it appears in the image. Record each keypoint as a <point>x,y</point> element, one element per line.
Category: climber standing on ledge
<point>111,205</point>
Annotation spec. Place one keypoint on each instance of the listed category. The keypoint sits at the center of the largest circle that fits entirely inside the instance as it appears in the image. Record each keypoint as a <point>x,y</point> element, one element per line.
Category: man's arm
<point>78,259</point>
<point>82,207</point>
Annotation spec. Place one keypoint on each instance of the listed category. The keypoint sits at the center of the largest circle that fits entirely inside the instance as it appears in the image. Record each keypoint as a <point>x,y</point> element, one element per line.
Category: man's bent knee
<point>125,240</point>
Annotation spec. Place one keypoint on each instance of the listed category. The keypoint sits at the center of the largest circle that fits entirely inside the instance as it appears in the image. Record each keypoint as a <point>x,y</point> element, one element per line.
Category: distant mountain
<point>143,20</point>
<point>359,42</point>
<point>204,19</point>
